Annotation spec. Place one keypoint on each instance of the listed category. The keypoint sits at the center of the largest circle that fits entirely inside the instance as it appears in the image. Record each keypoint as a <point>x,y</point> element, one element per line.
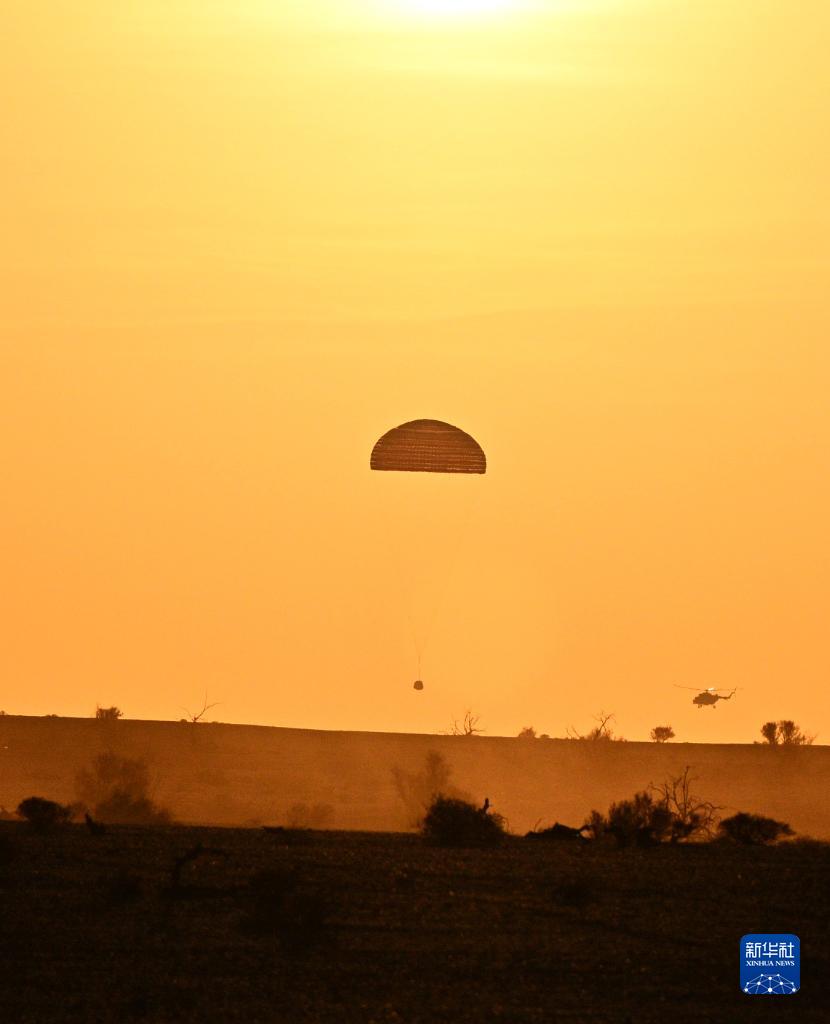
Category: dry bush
<point>596,825</point>
<point>602,731</point>
<point>451,822</point>
<point>117,789</point>
<point>639,821</point>
<point>469,727</point>
<point>108,714</point>
<point>662,733</point>
<point>753,829</point>
<point>668,812</point>
<point>43,814</point>
<point>691,817</point>
<point>196,716</point>
<point>418,790</point>
<point>785,734</point>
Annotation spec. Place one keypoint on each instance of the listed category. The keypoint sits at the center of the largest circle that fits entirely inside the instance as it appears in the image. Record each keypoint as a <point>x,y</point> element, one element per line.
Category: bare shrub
<point>596,825</point>
<point>753,829</point>
<point>43,814</point>
<point>602,731</point>
<point>662,733</point>
<point>790,735</point>
<point>197,716</point>
<point>639,821</point>
<point>691,817</point>
<point>668,812</point>
<point>117,789</point>
<point>451,822</point>
<point>418,790</point>
<point>469,727</point>
<point>108,714</point>
<point>309,816</point>
<point>785,733</point>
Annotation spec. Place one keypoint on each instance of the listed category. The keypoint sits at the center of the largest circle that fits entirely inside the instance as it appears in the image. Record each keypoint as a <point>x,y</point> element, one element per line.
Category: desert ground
<point>295,926</point>
<point>217,774</point>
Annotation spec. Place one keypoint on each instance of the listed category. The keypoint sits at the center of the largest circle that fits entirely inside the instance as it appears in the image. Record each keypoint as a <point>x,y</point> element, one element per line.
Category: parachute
<point>428,446</point>
<point>427,520</point>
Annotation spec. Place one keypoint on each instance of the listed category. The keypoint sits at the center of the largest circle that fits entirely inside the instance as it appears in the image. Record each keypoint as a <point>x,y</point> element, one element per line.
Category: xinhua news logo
<point>770,965</point>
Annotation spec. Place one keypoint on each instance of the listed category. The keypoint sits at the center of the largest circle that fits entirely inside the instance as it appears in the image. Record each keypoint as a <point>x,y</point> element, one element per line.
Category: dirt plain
<point>217,774</point>
<point>304,926</point>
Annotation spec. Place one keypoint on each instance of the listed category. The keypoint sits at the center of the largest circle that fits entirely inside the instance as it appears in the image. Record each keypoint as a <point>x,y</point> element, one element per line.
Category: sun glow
<point>456,8</point>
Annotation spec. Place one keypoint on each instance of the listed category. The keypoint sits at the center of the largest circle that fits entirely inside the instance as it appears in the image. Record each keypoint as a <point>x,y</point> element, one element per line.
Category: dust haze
<point>214,774</point>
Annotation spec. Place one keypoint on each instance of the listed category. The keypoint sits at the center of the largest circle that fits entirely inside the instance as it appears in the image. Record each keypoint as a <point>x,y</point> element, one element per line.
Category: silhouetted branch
<point>205,708</point>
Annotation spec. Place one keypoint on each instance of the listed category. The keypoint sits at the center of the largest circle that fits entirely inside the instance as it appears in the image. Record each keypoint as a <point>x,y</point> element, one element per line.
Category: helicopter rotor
<point>708,689</point>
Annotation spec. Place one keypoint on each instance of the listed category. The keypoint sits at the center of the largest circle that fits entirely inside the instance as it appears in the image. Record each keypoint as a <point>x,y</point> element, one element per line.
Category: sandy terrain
<point>236,775</point>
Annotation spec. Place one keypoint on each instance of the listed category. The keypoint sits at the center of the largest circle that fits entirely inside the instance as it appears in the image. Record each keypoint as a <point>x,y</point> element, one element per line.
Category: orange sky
<point>243,239</point>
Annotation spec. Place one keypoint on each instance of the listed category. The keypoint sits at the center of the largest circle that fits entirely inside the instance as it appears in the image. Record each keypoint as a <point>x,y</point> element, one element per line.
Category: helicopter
<point>708,697</point>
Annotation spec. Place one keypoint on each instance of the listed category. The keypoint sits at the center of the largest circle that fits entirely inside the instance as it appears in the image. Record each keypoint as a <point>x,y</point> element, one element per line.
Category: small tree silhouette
<point>668,812</point>
<point>199,715</point>
<point>662,733</point>
<point>789,734</point>
<point>527,733</point>
<point>469,727</point>
<point>601,732</point>
<point>784,733</point>
<point>690,816</point>
<point>769,730</point>
<point>754,829</point>
<point>451,822</point>
<point>639,821</point>
<point>108,714</point>
<point>43,814</point>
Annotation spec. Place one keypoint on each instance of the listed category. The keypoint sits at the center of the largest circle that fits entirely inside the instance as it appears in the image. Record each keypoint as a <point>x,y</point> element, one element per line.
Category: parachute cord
<point>462,531</point>
<point>393,559</point>
<point>421,634</point>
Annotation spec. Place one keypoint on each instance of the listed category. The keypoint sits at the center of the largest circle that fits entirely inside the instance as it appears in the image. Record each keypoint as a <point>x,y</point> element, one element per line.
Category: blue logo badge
<point>770,965</point>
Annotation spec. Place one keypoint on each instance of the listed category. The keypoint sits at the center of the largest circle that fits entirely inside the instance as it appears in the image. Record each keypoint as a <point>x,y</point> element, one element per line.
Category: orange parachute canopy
<point>428,446</point>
